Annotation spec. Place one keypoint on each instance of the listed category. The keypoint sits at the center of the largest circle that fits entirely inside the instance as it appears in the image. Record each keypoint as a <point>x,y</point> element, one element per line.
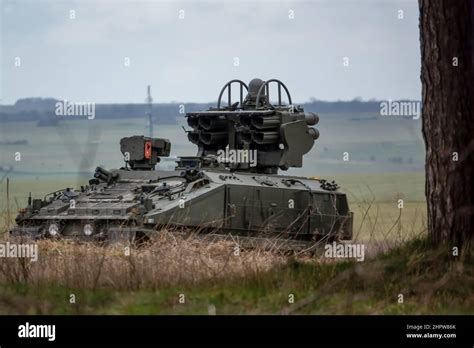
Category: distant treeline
<point>43,109</point>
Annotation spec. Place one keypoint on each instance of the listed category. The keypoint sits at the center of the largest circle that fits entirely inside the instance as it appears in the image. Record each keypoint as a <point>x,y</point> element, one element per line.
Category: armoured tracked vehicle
<point>230,188</point>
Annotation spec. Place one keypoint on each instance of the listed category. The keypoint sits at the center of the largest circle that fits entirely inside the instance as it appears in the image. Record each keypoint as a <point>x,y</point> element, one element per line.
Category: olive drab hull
<point>243,203</point>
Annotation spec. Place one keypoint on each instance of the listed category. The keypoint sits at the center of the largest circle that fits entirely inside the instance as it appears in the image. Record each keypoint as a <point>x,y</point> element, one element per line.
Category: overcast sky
<point>189,59</point>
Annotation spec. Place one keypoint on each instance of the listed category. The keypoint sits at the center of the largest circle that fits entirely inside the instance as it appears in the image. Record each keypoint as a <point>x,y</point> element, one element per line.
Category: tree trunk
<point>447,75</point>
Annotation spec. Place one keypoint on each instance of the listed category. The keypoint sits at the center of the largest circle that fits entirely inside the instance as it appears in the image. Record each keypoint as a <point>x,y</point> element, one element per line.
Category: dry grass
<point>150,281</point>
<point>168,260</point>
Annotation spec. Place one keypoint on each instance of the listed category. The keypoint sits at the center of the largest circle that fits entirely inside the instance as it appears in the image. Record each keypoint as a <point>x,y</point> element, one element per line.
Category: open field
<point>374,143</point>
<point>386,163</point>
<point>182,277</point>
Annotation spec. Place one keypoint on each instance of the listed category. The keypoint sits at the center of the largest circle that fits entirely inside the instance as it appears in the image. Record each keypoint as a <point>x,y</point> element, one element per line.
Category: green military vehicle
<point>230,189</point>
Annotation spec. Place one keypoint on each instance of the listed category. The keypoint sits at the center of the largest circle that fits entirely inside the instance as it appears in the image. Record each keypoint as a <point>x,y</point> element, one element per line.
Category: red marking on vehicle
<point>148,149</point>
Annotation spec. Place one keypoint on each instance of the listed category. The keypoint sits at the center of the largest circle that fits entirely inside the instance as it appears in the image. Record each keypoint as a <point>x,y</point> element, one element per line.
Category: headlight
<point>88,229</point>
<point>53,229</point>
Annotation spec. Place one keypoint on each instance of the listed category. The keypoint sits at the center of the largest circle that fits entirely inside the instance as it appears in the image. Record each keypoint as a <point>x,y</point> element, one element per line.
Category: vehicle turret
<point>277,134</point>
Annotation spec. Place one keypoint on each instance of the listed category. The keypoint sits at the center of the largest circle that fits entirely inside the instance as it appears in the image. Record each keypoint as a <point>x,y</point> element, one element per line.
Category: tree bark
<point>447,38</point>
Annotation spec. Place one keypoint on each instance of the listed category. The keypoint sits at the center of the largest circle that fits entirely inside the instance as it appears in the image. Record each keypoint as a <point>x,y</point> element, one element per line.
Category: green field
<point>375,144</point>
<point>385,165</point>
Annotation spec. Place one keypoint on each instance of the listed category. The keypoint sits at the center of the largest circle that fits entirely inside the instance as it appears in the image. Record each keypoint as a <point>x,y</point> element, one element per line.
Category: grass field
<point>371,140</point>
<point>151,280</point>
<point>409,279</point>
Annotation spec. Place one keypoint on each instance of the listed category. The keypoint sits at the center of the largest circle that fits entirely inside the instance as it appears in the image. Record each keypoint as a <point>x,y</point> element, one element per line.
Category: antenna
<point>149,117</point>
